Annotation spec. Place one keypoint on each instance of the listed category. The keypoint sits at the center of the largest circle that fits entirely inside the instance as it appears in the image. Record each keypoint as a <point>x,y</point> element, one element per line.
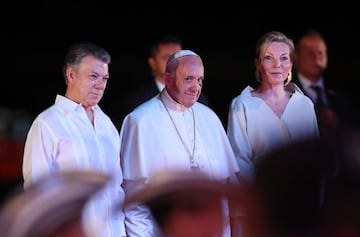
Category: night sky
<point>37,34</point>
<point>224,35</point>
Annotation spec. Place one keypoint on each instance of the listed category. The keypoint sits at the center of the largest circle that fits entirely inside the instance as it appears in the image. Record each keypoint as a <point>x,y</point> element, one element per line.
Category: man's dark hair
<point>165,39</point>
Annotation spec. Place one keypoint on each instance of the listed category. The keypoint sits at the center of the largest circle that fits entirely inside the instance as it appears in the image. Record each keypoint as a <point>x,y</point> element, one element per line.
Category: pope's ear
<point>167,77</point>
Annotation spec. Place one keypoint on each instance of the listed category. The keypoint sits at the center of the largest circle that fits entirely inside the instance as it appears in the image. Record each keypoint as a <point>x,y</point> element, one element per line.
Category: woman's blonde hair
<point>264,42</point>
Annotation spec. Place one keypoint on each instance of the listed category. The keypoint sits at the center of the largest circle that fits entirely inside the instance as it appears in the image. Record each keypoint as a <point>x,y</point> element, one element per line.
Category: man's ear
<point>70,74</point>
<point>151,62</point>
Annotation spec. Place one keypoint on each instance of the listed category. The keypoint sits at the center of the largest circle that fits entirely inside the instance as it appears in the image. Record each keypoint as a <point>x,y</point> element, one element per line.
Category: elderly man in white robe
<point>172,131</point>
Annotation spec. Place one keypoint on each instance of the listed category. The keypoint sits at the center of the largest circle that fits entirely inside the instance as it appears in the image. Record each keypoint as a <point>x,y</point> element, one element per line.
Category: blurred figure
<point>173,131</point>
<point>290,183</point>
<point>75,134</point>
<point>311,61</point>
<point>273,114</point>
<point>52,206</point>
<point>340,216</point>
<point>159,53</point>
<point>187,204</point>
<point>311,188</point>
<point>341,213</point>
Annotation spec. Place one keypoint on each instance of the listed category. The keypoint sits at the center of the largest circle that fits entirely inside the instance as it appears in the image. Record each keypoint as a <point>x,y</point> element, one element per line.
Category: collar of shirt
<point>70,105</point>
<point>306,84</point>
<point>159,85</point>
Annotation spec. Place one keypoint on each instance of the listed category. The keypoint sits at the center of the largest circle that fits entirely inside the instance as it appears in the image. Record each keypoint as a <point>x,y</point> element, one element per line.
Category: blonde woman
<point>274,113</point>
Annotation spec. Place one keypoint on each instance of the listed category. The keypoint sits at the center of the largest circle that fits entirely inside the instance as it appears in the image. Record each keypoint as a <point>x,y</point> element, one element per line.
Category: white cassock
<point>150,142</point>
<point>254,129</point>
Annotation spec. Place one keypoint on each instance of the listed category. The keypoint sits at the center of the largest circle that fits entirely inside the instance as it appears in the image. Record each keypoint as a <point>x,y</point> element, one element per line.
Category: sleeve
<point>131,149</point>
<point>239,139</point>
<point>37,152</point>
<point>138,218</point>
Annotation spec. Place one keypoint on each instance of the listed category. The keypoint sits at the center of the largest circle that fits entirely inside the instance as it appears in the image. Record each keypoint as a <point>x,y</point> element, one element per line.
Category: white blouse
<point>254,129</point>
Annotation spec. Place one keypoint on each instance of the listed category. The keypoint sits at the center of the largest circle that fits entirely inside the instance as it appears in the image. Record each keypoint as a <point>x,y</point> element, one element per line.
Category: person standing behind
<point>311,60</point>
<point>159,53</point>
<point>273,114</point>
<point>173,131</point>
<point>75,134</point>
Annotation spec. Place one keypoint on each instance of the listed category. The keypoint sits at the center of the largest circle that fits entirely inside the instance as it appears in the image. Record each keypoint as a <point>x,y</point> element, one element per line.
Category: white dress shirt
<point>63,138</point>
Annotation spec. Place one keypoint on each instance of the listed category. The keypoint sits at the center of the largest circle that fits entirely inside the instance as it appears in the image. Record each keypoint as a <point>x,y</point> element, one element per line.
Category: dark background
<point>224,35</point>
<point>36,36</point>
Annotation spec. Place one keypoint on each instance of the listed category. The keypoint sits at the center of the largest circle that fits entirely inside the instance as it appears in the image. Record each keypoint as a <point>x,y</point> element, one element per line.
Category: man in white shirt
<point>75,134</point>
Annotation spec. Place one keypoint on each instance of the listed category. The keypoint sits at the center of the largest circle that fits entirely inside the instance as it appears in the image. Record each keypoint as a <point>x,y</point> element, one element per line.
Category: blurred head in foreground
<point>311,187</point>
<point>51,207</point>
<point>186,204</point>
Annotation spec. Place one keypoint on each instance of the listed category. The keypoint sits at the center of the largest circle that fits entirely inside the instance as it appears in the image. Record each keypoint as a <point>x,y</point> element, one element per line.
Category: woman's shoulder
<point>245,99</point>
<point>299,94</point>
<point>293,88</point>
<point>245,94</point>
